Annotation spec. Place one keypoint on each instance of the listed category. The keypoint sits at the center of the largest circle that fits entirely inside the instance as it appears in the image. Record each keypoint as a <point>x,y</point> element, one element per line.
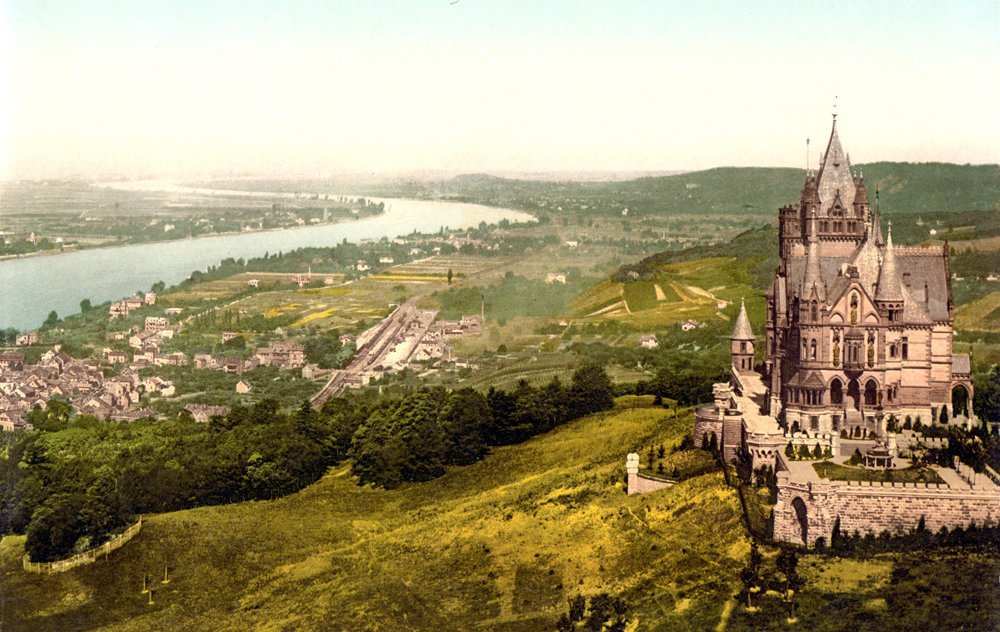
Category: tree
<point>467,422</point>
<point>577,608</point>
<point>54,528</point>
<point>590,390</point>
<point>787,563</point>
<point>52,319</point>
<point>817,451</point>
<point>790,450</point>
<point>85,306</point>
<point>607,614</point>
<point>944,414</point>
<point>449,276</point>
<point>750,575</point>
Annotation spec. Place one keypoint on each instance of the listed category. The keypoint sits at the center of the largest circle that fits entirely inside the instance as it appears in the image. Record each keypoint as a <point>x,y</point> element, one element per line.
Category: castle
<point>858,331</point>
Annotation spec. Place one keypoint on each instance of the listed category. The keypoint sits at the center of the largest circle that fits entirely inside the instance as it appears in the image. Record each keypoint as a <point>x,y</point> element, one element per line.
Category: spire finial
<point>835,109</point>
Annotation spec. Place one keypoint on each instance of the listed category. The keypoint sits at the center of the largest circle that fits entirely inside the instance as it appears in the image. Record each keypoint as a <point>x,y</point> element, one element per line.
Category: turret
<point>813,287</point>
<point>742,342</point>
<point>889,291</point>
<point>876,228</point>
<point>861,199</point>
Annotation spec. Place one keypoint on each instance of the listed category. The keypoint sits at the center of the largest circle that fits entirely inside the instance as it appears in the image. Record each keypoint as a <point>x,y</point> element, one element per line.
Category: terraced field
<point>704,289</point>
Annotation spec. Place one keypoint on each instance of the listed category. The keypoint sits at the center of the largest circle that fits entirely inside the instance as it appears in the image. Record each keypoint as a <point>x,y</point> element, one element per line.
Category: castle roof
<point>742,330</point>
<point>835,175</point>
<point>876,227</point>
<point>812,283</point>
<point>889,287</point>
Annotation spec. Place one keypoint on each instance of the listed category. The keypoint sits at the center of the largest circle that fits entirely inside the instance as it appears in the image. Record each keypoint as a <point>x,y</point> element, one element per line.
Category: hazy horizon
<point>226,88</point>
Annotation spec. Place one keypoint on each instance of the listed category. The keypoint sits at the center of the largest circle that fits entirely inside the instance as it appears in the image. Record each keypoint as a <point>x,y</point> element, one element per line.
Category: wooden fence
<point>86,557</point>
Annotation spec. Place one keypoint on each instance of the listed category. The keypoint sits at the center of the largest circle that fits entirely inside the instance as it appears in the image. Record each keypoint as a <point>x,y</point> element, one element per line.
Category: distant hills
<point>903,187</point>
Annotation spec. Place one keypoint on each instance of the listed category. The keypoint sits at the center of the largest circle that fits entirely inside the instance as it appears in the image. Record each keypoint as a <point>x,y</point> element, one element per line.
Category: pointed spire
<point>889,288</point>
<point>742,330</point>
<point>835,175</point>
<point>877,223</point>
<point>813,280</point>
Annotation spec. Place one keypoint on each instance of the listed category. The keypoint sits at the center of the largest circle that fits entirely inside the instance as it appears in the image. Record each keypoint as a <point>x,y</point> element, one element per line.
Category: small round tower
<point>742,342</point>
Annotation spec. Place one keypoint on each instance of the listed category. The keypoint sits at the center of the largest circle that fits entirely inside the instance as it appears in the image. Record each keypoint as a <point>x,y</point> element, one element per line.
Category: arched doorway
<point>854,394</point>
<point>871,393</point>
<point>836,391</point>
<point>801,518</point>
<point>960,400</point>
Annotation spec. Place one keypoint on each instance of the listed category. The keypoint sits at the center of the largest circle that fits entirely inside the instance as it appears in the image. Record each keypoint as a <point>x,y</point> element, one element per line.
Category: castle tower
<point>742,342</point>
<point>813,286</point>
<point>889,292</point>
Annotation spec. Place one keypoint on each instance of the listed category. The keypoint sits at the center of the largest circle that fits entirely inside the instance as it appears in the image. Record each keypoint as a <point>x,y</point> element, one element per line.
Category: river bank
<point>31,287</point>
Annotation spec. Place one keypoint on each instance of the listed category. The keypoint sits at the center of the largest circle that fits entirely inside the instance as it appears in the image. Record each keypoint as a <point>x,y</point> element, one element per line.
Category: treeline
<point>73,484</point>
<point>686,365</point>
<point>77,480</point>
<point>414,438</point>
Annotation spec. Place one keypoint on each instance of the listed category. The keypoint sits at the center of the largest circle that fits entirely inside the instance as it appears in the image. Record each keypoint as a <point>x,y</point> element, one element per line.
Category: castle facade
<point>857,331</point>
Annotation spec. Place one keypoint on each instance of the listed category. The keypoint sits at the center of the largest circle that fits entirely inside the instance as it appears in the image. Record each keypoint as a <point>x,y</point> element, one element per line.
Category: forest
<point>79,480</point>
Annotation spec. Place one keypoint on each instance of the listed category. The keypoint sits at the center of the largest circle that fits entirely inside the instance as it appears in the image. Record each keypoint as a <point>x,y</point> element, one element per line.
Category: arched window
<point>854,308</point>
<point>871,393</point>
<point>812,349</point>
<point>836,392</point>
<point>815,312</point>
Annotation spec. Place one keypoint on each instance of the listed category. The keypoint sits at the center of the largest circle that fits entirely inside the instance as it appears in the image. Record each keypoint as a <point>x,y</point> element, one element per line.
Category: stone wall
<point>874,507</point>
<point>706,421</point>
<point>642,483</point>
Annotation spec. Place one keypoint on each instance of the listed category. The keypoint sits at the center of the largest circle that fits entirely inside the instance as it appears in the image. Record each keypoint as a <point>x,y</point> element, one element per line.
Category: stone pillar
<point>722,393</point>
<point>632,470</point>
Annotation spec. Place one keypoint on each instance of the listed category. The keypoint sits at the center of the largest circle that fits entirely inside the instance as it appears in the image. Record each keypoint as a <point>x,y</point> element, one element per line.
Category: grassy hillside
<point>500,544</point>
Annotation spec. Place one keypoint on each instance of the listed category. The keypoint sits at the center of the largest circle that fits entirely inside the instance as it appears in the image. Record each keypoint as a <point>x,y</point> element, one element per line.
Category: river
<point>31,287</point>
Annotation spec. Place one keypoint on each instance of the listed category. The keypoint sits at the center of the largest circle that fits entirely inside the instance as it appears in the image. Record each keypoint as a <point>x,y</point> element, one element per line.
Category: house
<point>555,277</point>
<point>254,282</point>
<point>243,387</point>
<point>202,413</point>
<point>143,338</point>
<point>12,361</point>
<point>361,266</point>
<point>689,324</point>
<point>135,415</point>
<point>648,342</point>
<point>285,355</point>
<point>154,323</point>
<point>387,260</point>
<point>117,357</point>
<point>229,335</point>
<point>309,371</point>
<point>27,339</point>
<point>572,243</point>
<point>173,311</point>
<point>134,303</point>
<point>150,298</point>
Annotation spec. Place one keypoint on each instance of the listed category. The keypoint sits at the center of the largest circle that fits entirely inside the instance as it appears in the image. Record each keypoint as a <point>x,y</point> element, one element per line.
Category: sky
<point>179,88</point>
